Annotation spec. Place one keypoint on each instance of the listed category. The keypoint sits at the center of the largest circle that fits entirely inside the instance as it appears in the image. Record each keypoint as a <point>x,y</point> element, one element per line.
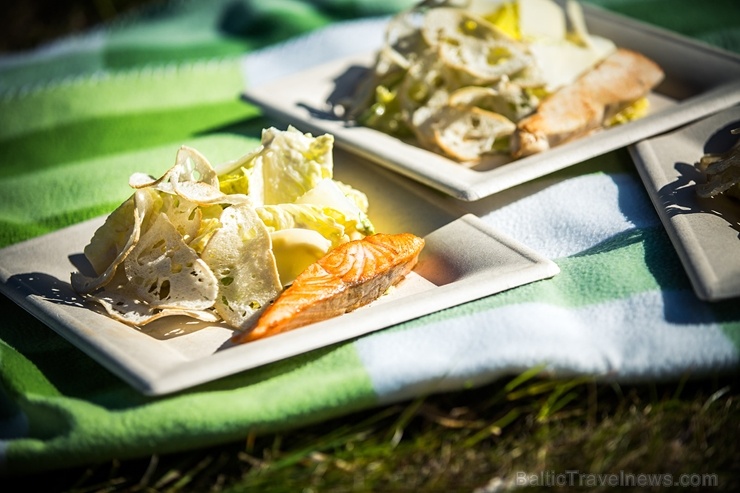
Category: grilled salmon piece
<point>579,108</point>
<point>349,276</point>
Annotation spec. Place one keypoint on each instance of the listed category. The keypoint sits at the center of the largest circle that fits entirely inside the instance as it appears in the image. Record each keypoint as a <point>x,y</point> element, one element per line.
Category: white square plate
<point>700,80</point>
<point>463,260</point>
<point>705,232</point>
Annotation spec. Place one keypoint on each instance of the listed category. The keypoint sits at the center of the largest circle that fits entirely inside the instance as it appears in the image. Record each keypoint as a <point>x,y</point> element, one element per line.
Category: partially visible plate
<point>463,259</point>
<point>700,80</point>
<point>705,232</point>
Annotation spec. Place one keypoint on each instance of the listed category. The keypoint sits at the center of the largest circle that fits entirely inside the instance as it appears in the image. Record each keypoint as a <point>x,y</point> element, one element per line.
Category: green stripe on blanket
<point>90,138</point>
<point>75,136</point>
<point>133,91</point>
<point>78,413</point>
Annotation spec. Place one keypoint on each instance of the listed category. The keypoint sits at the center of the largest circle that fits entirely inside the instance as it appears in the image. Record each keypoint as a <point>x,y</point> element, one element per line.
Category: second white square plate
<point>700,80</point>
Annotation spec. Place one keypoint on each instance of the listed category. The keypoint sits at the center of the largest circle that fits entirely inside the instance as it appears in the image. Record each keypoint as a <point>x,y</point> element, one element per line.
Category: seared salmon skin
<point>347,277</point>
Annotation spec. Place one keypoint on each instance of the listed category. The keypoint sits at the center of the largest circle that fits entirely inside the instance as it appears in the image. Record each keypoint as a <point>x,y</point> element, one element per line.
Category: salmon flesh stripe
<point>347,277</point>
<point>580,108</point>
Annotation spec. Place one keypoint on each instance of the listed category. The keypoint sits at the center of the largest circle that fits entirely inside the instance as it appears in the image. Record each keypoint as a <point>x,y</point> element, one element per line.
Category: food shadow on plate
<point>46,287</point>
<point>679,197</point>
<point>62,292</point>
<point>344,88</point>
<point>53,290</point>
<point>176,326</point>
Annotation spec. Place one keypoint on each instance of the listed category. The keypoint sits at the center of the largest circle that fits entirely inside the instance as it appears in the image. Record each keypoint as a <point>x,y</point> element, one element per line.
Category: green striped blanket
<point>77,117</point>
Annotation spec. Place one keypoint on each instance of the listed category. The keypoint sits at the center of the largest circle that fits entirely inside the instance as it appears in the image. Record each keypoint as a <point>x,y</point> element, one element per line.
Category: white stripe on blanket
<point>623,340</point>
<point>336,41</point>
<point>568,217</point>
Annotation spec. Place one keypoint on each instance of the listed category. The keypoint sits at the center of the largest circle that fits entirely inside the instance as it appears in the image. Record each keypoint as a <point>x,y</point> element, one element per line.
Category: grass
<point>528,433</point>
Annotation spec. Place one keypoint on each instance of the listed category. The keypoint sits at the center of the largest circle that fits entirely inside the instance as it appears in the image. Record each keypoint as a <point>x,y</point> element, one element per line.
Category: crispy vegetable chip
<point>166,273</point>
<point>190,166</point>
<point>479,51</point>
<point>113,241</point>
<point>467,133</point>
<point>184,215</point>
<point>192,178</point>
<point>118,302</point>
<point>240,255</point>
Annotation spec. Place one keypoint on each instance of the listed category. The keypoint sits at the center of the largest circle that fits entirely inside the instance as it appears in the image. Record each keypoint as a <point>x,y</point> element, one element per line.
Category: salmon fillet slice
<point>347,277</point>
<point>579,108</point>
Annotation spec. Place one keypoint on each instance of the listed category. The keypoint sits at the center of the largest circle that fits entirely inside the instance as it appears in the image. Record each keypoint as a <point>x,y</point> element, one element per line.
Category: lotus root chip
<point>166,272</point>
<point>240,255</point>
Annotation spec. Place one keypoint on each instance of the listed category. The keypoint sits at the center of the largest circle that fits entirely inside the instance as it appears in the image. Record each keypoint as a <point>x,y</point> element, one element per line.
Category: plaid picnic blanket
<point>78,116</point>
